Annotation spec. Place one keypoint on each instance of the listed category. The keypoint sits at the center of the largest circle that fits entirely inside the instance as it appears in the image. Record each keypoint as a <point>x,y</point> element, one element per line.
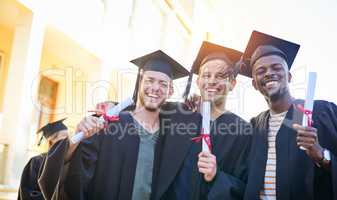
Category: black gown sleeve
<point>29,188</point>
<point>82,168</point>
<point>325,120</point>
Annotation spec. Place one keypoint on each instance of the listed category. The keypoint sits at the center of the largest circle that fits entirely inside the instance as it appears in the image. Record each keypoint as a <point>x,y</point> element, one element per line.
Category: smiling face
<point>155,87</point>
<point>215,80</point>
<point>271,77</point>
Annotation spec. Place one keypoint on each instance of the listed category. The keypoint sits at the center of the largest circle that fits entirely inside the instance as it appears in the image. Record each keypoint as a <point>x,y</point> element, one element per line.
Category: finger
<point>205,165</point>
<point>97,122</point>
<point>307,134</point>
<point>204,171</point>
<point>305,145</point>
<point>207,160</point>
<point>81,128</point>
<point>101,126</point>
<point>304,128</point>
<point>201,154</point>
<point>305,140</point>
<point>205,154</point>
<point>90,124</point>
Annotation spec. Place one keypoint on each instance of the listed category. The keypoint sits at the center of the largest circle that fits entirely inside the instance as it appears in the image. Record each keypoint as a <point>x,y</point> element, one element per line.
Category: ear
<point>232,85</point>
<point>254,84</point>
<point>290,76</point>
<point>50,143</point>
<point>171,90</point>
<point>198,82</point>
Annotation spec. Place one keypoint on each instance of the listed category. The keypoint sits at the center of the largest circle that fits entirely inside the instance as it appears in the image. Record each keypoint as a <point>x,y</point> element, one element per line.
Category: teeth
<point>152,95</point>
<point>271,83</point>
<point>211,90</point>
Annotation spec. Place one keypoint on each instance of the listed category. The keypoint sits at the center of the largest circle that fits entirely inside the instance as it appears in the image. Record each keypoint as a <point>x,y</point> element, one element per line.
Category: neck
<point>218,108</point>
<point>148,119</point>
<point>280,105</point>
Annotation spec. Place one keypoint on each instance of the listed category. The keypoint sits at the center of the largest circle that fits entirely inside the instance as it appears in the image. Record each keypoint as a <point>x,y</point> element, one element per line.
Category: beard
<point>276,95</point>
<point>217,98</point>
<point>151,107</point>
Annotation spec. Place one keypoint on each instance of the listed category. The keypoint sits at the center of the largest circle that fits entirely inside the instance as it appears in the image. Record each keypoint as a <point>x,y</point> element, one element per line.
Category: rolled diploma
<point>206,117</point>
<point>309,97</point>
<point>111,112</point>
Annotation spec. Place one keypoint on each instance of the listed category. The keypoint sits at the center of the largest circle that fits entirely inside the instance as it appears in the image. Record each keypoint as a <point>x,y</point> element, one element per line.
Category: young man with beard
<point>279,169</point>
<point>122,161</point>
<point>29,188</point>
<point>220,174</point>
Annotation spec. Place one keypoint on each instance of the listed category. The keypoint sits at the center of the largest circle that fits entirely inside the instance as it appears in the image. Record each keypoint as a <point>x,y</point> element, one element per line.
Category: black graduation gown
<point>51,178</point>
<point>230,149</point>
<point>29,188</point>
<point>102,167</point>
<point>297,176</point>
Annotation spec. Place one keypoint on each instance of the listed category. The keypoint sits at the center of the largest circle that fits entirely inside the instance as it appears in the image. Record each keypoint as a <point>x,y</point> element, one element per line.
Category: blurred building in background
<point>58,58</point>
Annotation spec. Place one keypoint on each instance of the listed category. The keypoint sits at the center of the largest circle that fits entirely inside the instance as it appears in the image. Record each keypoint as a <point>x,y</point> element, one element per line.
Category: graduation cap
<point>261,44</point>
<point>51,128</point>
<point>160,62</point>
<point>209,51</point>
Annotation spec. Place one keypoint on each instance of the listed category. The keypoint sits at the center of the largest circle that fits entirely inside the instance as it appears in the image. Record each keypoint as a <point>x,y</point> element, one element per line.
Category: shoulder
<point>234,117</point>
<point>35,162</point>
<point>38,159</point>
<point>236,124</point>
<point>178,111</point>
<point>259,118</point>
<point>323,104</point>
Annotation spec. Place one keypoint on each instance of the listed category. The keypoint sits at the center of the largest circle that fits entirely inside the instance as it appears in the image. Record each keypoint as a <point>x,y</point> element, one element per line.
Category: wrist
<point>325,159</point>
<point>316,154</point>
<point>214,176</point>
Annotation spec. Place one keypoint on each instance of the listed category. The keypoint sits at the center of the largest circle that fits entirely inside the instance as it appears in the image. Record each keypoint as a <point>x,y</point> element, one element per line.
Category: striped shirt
<point>268,191</point>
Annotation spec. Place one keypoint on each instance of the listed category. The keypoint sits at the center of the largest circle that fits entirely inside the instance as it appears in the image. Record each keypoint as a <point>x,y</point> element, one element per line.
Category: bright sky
<point>311,23</point>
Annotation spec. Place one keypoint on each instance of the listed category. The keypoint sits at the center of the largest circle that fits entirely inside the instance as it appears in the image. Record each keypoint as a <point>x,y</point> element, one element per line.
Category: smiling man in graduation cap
<point>29,188</point>
<point>220,174</point>
<point>122,161</point>
<point>279,169</point>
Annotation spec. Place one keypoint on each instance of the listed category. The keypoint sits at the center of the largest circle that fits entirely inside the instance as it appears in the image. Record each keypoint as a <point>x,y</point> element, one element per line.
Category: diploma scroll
<point>309,100</point>
<point>111,112</point>
<point>206,119</point>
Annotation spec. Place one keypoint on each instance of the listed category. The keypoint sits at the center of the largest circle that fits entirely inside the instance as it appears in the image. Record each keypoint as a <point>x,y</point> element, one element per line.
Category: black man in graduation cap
<point>279,168</point>
<point>122,161</point>
<point>29,188</point>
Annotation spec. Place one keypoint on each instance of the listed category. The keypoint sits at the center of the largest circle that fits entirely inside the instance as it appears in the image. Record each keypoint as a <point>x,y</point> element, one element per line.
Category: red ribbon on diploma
<point>107,118</point>
<point>204,137</point>
<point>112,118</point>
<point>306,112</point>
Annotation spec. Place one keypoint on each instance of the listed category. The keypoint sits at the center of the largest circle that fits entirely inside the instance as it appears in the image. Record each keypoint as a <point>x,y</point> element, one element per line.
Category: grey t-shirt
<point>143,177</point>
